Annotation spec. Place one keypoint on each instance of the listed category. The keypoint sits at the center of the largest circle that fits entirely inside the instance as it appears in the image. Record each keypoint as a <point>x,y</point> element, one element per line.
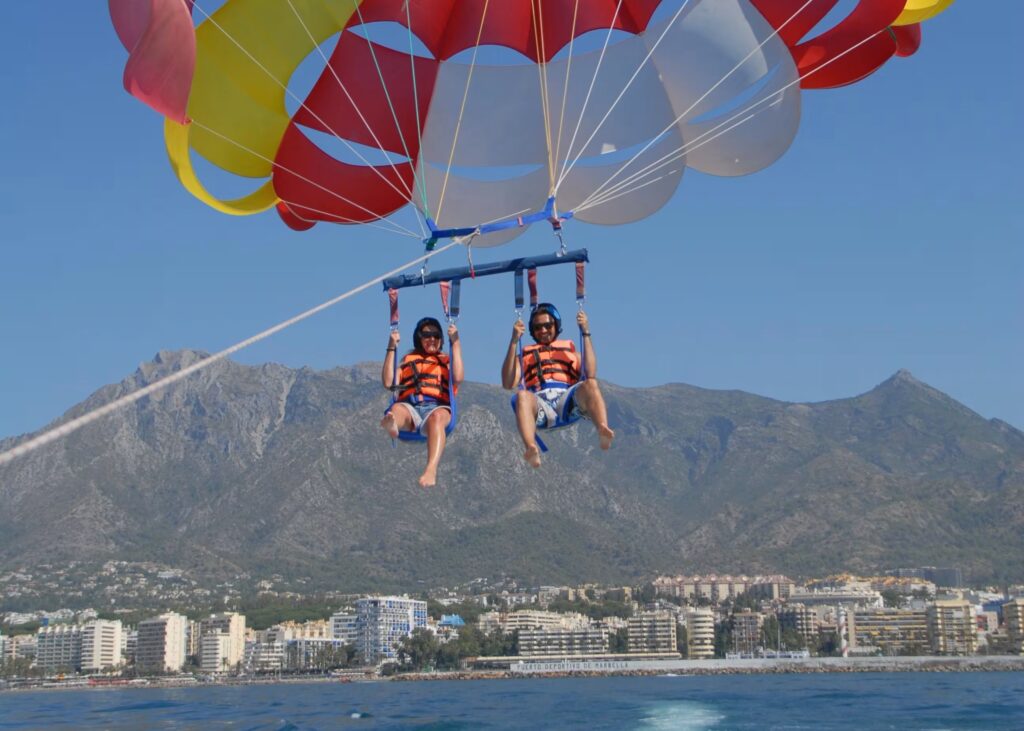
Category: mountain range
<point>268,469</point>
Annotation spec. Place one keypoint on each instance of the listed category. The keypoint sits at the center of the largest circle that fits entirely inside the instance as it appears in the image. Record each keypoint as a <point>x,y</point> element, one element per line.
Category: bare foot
<point>389,425</point>
<point>606,436</point>
<point>532,456</point>
<point>428,478</point>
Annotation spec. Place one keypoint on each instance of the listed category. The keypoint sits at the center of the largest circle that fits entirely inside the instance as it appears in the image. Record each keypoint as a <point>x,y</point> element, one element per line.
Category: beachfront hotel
<point>951,627</point>
<point>383,622</point>
<point>161,643</point>
<point>700,633</point>
<point>1013,615</point>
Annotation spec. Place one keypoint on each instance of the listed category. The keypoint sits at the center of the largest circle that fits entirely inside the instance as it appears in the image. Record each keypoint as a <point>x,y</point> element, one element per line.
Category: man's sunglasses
<point>430,334</point>
<point>543,325</point>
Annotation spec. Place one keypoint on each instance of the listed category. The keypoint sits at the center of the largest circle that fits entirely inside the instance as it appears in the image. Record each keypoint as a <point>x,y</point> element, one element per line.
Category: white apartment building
<point>866,598</point>
<point>651,632</point>
<point>129,644</point>
<point>311,652</point>
<point>890,631</point>
<point>561,642</point>
<point>700,633</point>
<point>161,643</point>
<point>267,653</point>
<point>746,631</point>
<point>383,622</point>
<point>193,632</point>
<point>214,651</point>
<point>534,619</point>
<point>717,588</point>
<point>59,647</point>
<point>101,645</point>
<point>1013,615</point>
<point>230,624</point>
<point>951,627</point>
<point>345,627</point>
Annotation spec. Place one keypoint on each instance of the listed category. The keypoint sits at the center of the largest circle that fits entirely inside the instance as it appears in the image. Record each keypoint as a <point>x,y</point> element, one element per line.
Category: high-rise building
<point>101,645</point>
<point>383,622</point>
<point>214,651</point>
<point>231,624</point>
<point>951,627</point>
<point>161,643</point>
<point>700,633</point>
<point>1013,615</point>
<point>193,632</point>
<point>891,631</point>
<point>129,645</point>
<point>801,619</point>
<point>59,647</point>
<point>562,641</point>
<point>345,627</point>
<point>532,619</point>
<point>746,631</point>
<point>652,632</point>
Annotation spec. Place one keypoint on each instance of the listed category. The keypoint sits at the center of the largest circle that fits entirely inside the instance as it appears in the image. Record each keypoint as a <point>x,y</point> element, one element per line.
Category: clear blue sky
<point>888,237</point>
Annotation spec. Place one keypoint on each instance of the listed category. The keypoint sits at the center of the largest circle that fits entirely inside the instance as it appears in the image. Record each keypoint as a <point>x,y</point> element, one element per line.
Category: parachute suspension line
<point>590,89</point>
<point>626,185</point>
<point>335,218</point>
<point>462,108</point>
<point>302,104</point>
<point>362,117</point>
<point>537,11</point>
<point>610,196</point>
<point>774,98</point>
<point>387,96</point>
<point>418,177</point>
<point>565,85</point>
<point>734,69</point>
<point>75,424</point>
<point>398,228</point>
<point>629,83</point>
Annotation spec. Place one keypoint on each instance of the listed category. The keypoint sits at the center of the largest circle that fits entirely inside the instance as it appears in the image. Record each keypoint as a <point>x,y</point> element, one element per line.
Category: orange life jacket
<point>554,363</point>
<point>424,377</point>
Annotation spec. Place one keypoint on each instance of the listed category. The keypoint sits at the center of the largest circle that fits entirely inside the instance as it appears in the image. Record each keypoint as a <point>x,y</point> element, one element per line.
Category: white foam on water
<point>680,716</point>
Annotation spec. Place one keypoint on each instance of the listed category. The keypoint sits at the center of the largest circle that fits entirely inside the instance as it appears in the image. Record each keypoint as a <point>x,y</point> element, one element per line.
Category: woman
<point>421,380</point>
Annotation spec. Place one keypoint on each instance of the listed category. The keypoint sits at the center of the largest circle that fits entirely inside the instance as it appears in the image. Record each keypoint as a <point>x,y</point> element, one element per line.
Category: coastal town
<point>484,625</point>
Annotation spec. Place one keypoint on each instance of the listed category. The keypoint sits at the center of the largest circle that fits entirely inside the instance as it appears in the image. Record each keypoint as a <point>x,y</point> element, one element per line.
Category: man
<point>421,379</point>
<point>553,394</point>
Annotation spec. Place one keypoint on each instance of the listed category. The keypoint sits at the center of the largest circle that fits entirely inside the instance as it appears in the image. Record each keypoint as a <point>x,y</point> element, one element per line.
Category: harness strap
<point>531,277</point>
<point>456,292</point>
<point>393,300</point>
<point>445,288</point>
<point>581,297</point>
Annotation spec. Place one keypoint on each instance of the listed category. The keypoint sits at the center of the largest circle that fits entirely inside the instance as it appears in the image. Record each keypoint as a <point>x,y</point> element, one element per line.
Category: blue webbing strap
<point>581,298</point>
<point>456,291</point>
<point>520,301</point>
<point>393,299</point>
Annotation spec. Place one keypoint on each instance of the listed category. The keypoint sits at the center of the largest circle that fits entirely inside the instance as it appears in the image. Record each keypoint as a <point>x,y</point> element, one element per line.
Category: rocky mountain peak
<point>271,468</point>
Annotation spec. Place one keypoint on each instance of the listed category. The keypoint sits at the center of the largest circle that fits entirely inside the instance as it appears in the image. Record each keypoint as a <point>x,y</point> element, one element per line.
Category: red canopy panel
<point>351,76</point>
<point>316,187</point>
<point>447,27</point>
<point>908,39</point>
<point>827,61</point>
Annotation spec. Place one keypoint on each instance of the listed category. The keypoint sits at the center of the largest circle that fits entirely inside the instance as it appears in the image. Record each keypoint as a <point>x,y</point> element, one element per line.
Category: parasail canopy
<point>595,109</point>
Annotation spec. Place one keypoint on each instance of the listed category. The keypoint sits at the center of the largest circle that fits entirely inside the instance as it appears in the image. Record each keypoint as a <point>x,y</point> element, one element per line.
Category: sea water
<point>927,701</point>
